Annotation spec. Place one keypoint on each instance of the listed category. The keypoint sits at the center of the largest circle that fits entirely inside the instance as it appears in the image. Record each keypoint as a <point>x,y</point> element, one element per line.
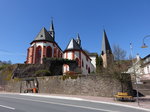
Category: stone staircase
<point>143,88</point>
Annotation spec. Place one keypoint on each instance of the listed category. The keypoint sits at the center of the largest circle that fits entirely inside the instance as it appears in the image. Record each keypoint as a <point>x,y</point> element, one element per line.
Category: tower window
<point>82,63</point>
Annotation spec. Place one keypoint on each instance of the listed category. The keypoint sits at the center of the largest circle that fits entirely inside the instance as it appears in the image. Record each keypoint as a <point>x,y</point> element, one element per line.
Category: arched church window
<point>49,52</point>
<point>77,60</point>
<point>38,54</point>
<point>55,52</point>
<point>59,53</point>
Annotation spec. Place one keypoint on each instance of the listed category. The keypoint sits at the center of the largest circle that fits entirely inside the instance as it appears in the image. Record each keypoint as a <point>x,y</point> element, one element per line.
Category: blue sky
<point>125,22</point>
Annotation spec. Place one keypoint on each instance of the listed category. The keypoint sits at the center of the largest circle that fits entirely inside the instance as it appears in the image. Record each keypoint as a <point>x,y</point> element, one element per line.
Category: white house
<point>141,68</point>
<point>146,68</point>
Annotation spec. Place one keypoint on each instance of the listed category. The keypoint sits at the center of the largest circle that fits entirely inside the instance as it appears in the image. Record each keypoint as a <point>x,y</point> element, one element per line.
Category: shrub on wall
<point>6,72</point>
<point>70,75</point>
<point>42,72</point>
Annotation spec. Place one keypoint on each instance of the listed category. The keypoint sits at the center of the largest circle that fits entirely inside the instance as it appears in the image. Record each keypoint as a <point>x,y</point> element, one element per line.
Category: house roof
<point>146,57</point>
<point>105,44</point>
<point>92,54</point>
<point>73,45</point>
<point>146,60</point>
<point>43,35</point>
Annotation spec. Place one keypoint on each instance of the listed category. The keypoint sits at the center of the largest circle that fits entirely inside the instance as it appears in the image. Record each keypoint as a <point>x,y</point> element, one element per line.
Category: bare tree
<point>119,53</point>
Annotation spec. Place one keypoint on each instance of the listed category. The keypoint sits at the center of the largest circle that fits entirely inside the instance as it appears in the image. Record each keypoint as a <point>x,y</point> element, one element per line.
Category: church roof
<point>105,44</point>
<point>73,45</point>
<point>43,35</point>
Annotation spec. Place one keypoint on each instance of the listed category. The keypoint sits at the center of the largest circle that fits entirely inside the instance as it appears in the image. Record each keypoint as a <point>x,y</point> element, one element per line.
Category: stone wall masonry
<point>92,85</point>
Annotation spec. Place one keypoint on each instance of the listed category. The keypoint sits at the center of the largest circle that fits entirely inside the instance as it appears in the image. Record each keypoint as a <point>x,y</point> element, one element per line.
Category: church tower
<point>106,53</point>
<point>52,31</point>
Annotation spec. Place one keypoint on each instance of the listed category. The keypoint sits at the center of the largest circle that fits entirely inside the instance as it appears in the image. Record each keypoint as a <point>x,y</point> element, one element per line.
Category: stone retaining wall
<point>93,85</point>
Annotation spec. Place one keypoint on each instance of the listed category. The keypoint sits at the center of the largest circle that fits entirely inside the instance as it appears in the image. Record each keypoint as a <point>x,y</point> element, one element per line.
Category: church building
<point>43,45</point>
<point>74,51</point>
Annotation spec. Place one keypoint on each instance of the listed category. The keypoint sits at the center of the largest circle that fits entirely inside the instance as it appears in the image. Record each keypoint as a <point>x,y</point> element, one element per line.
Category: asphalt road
<point>22,103</point>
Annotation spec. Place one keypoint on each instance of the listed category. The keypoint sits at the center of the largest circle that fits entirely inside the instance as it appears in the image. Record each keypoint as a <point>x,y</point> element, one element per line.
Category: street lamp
<point>144,45</point>
<point>134,72</point>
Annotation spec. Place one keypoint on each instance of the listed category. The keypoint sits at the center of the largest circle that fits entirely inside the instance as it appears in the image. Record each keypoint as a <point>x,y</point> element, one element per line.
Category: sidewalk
<point>143,101</point>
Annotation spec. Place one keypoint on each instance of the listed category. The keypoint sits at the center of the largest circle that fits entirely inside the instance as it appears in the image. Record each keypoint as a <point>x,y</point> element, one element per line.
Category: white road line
<point>48,96</point>
<point>7,107</point>
<point>69,105</point>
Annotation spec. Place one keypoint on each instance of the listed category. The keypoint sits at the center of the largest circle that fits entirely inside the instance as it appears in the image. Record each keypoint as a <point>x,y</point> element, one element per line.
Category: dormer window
<point>41,35</point>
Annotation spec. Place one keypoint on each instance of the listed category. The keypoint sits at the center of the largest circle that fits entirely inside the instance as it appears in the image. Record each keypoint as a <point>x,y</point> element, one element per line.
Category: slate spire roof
<point>43,35</point>
<point>78,40</point>
<point>73,45</point>
<point>52,26</point>
<point>78,36</point>
<point>105,44</point>
<point>52,32</point>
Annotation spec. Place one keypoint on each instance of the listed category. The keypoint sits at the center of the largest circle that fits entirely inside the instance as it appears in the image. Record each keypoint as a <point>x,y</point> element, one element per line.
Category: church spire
<point>106,54</point>
<point>52,32</point>
<point>78,40</point>
<point>105,44</point>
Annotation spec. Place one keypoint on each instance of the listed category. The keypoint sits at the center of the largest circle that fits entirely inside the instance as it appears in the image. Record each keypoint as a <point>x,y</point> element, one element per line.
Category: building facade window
<point>58,53</point>
<point>148,71</point>
<point>89,71</point>
<point>38,54</point>
<point>77,60</point>
<point>82,63</point>
<point>55,52</point>
<point>49,52</point>
<point>86,67</point>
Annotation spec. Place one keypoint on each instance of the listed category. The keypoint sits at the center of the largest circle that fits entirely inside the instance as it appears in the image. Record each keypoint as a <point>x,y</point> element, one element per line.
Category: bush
<point>42,72</point>
<point>70,74</point>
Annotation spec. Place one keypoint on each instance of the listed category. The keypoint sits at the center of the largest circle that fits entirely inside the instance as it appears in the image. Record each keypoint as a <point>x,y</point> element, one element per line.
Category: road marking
<point>69,105</point>
<point>48,96</point>
<point>7,107</point>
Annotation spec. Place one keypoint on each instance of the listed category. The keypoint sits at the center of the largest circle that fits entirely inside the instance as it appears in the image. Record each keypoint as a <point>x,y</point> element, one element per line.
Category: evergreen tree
<point>99,63</point>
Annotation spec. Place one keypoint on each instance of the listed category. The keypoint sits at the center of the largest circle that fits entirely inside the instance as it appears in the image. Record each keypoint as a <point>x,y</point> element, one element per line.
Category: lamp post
<point>134,72</point>
<point>144,45</point>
